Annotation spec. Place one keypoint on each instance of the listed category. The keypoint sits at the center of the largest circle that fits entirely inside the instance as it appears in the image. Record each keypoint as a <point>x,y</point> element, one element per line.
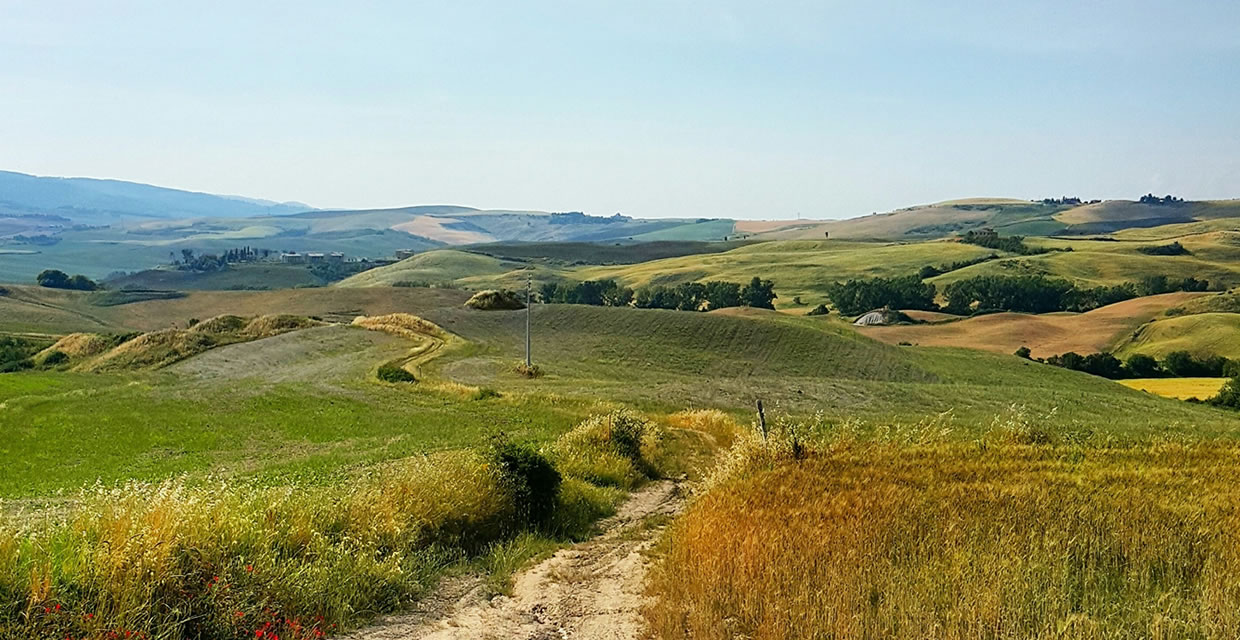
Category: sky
<point>717,108</point>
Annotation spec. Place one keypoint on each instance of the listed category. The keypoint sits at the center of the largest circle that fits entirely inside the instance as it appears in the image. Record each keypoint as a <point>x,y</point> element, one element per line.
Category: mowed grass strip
<point>1180,388</point>
<point>957,541</point>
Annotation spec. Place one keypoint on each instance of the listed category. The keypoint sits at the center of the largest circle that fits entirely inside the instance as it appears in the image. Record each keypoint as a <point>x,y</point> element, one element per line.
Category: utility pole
<point>529,309</point>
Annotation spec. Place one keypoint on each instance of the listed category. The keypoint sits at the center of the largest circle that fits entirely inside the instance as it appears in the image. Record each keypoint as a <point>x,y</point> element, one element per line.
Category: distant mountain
<point>94,201</point>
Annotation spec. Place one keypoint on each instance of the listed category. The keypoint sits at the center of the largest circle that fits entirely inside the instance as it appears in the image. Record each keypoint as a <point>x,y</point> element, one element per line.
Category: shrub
<point>1024,352</point>
<point>54,358</point>
<point>528,476</point>
<point>57,279</point>
<point>528,371</point>
<point>495,300</point>
<point>1173,249</point>
<point>395,374</point>
<point>820,310</point>
<point>1228,396</point>
<point>608,449</point>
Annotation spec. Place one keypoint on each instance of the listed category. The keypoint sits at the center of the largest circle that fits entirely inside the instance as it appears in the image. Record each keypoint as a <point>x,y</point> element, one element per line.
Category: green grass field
<point>1205,334</point>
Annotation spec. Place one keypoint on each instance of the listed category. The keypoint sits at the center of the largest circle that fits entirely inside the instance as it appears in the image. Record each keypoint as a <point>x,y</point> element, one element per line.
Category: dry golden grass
<point>959,541</point>
<point>1045,335</point>
<point>713,422</point>
<point>76,346</point>
<point>161,348</point>
<point>401,324</point>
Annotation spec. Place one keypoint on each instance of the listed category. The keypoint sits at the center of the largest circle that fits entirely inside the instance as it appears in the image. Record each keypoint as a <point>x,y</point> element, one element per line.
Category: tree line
<point>1177,364</point>
<point>686,296</point>
<point>1024,293</point>
<point>1011,244</point>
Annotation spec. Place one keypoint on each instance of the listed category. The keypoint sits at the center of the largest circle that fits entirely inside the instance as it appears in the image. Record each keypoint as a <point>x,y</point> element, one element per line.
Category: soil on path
<point>591,590</point>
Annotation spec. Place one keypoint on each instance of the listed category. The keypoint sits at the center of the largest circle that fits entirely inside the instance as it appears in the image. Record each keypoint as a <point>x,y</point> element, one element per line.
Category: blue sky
<point>675,108</point>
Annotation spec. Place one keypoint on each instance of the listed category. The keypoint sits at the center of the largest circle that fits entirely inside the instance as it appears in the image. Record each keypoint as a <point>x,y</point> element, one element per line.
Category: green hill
<point>1203,335</point>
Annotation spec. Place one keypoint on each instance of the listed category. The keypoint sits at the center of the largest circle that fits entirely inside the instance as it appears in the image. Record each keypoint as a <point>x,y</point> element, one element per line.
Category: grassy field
<point>1204,334</point>
<point>992,539</point>
<point>1179,388</point>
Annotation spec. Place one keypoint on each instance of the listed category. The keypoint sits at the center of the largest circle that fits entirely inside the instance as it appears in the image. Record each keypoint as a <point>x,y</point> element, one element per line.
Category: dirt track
<point>591,590</point>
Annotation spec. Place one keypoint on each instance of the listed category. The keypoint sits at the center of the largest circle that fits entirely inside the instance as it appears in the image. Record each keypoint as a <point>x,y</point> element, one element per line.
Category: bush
<point>393,373</point>
<point>1173,249</point>
<point>54,358</point>
<point>820,310</point>
<point>608,449</point>
<point>1024,352</point>
<point>529,478</point>
<point>495,300</point>
<point>530,371</point>
<point>1229,396</point>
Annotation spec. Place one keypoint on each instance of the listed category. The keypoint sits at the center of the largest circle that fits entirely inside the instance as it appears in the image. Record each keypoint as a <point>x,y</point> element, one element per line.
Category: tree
<point>866,294</point>
<point>81,283</point>
<point>720,294</point>
<point>1142,366</point>
<point>758,293</point>
<point>1024,352</point>
<point>53,278</point>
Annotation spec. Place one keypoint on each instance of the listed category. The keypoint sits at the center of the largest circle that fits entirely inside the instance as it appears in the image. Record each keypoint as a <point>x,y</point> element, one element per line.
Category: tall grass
<point>225,560</point>
<point>990,539</point>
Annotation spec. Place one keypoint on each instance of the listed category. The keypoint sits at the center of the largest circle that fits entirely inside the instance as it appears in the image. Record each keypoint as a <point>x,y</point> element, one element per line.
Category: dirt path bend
<point>591,590</point>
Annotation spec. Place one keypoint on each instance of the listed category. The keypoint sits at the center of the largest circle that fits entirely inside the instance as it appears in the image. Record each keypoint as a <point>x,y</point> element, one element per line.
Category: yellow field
<point>1180,388</point>
<point>994,539</point>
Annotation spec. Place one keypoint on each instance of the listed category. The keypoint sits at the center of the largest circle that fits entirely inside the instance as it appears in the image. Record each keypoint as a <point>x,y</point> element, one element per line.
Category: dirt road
<point>591,590</point>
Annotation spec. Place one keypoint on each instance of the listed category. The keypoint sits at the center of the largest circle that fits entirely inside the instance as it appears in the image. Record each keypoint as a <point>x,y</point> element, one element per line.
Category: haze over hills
<point>97,227</point>
<point>96,201</point>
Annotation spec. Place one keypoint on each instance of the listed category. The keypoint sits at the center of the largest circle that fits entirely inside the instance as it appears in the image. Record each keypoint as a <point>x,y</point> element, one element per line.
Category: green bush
<point>529,477</point>
<point>820,310</point>
<point>608,449</point>
<point>392,373</point>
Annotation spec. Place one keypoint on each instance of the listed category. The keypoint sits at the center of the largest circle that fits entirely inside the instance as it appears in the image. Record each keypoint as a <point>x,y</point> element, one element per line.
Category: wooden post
<point>762,420</point>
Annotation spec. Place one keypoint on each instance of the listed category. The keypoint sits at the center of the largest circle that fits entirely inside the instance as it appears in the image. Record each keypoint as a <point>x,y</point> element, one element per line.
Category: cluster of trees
<point>686,296</point>
<point>860,295</point>
<point>600,293</point>
<point>1150,198</point>
<point>57,279</point>
<point>1011,244</point>
<point>1039,294</point>
<point>1178,364</point>
<point>1173,249</point>
<point>703,296</point>
<point>930,271</point>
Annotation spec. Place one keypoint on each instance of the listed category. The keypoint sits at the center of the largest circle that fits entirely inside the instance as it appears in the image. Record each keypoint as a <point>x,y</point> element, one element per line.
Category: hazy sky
<point>712,108</point>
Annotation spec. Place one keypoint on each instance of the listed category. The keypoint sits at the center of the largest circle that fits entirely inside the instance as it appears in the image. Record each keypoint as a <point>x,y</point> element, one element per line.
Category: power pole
<point>529,309</point>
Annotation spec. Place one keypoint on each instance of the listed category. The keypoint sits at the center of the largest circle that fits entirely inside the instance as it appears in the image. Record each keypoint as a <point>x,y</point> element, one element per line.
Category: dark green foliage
<point>392,373</point>
<point>54,358</point>
<point>992,240</point>
<point>56,279</point>
<point>1086,299</point>
<point>1173,249</point>
<point>820,310</point>
<point>1150,198</point>
<point>15,352</point>
<point>1154,285</point>
<point>858,296</point>
<point>1099,364</point>
<point>529,476</point>
<point>759,293</point>
<point>702,296</point>
<point>1023,352</point>
<point>1032,294</point>
<point>1178,364</point>
<point>930,271</point>
<point>1229,396</point>
<point>599,293</point>
<point>1182,364</point>
<point>1141,365</point>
